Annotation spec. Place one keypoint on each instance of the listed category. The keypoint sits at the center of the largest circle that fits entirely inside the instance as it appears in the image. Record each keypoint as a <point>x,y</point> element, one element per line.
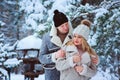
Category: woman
<point>77,65</point>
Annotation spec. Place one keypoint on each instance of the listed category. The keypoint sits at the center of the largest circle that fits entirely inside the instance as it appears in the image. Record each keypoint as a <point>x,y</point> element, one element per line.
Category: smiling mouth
<point>76,41</point>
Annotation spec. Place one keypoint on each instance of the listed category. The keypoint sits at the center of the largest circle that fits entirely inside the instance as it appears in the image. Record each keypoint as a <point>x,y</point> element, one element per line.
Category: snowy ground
<point>21,77</point>
<point>98,76</point>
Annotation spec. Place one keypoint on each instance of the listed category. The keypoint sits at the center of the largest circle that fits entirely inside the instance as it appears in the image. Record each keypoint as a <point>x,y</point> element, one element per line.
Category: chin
<point>76,44</point>
<point>66,32</point>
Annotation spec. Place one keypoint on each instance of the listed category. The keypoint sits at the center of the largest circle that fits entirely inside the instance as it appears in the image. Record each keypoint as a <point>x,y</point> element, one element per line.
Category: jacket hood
<point>56,40</point>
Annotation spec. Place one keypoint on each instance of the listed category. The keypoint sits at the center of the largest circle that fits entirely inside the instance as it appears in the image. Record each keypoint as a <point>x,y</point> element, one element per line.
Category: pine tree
<point>107,28</point>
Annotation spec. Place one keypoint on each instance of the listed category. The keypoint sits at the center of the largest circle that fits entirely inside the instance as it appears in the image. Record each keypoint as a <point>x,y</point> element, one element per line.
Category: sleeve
<point>53,57</point>
<point>44,56</point>
<point>89,71</point>
<point>63,63</point>
<point>67,62</point>
<point>98,60</point>
<point>96,56</point>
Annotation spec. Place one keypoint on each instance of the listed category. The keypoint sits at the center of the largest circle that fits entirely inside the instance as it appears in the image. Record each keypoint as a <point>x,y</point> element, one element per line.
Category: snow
<point>4,71</point>
<point>21,77</point>
<point>60,4</point>
<point>2,23</point>
<point>99,12</point>
<point>99,76</point>
<point>33,42</point>
<point>92,41</point>
<point>12,62</point>
<point>30,42</point>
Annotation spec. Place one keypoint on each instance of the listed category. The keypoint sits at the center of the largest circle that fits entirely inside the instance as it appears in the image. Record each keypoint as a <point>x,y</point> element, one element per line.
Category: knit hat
<point>83,29</point>
<point>59,18</point>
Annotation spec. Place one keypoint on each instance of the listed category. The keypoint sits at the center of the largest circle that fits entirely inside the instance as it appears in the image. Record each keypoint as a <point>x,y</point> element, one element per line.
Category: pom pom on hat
<point>83,29</point>
<point>86,22</point>
<point>56,12</point>
<point>59,18</point>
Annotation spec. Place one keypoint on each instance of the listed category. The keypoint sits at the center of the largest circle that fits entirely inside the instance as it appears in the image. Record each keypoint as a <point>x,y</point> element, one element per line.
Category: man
<point>52,42</point>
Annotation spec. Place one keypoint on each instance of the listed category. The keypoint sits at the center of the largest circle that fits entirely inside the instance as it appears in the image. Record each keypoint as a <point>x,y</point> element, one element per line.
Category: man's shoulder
<point>46,35</point>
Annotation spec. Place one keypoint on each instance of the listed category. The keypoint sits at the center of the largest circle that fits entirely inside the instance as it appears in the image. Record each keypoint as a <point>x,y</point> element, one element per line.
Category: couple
<point>67,57</point>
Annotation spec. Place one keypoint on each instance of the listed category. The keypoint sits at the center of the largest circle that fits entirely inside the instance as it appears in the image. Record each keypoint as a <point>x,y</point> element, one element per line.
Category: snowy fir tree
<point>8,58</point>
<point>105,31</point>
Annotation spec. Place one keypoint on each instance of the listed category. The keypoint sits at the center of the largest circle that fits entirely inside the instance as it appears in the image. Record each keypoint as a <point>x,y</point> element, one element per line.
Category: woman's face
<point>77,39</point>
<point>64,28</point>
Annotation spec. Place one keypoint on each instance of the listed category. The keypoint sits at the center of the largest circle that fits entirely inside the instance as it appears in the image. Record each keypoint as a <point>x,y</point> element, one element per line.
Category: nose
<point>65,27</point>
<point>76,38</point>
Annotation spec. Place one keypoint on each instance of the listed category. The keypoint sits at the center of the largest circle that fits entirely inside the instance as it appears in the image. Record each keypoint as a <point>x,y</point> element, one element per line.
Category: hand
<point>79,68</point>
<point>60,54</point>
<point>76,58</point>
<point>94,59</point>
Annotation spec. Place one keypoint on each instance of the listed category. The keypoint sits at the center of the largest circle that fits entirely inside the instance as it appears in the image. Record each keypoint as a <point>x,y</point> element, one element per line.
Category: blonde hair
<point>70,43</point>
<point>86,47</point>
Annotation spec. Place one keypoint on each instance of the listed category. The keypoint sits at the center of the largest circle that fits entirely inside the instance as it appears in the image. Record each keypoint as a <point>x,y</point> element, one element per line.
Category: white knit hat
<point>83,29</point>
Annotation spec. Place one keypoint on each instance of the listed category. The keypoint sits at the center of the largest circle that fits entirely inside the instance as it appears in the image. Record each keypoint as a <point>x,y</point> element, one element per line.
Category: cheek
<point>60,29</point>
<point>66,27</point>
<point>76,42</point>
<point>73,40</point>
<point>80,41</point>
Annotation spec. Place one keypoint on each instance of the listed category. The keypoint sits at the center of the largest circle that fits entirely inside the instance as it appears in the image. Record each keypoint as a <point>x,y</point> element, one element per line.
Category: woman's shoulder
<point>46,36</point>
<point>70,45</point>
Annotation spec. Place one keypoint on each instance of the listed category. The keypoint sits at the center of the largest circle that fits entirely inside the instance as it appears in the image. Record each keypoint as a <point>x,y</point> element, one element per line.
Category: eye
<point>66,24</point>
<point>74,36</point>
<point>79,37</point>
<point>62,26</point>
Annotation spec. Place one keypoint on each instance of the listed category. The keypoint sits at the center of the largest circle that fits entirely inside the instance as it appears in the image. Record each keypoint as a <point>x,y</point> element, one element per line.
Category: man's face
<point>64,28</point>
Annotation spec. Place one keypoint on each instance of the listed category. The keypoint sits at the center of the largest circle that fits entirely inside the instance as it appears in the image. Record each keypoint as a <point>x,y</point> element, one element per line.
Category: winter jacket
<point>66,65</point>
<point>50,44</point>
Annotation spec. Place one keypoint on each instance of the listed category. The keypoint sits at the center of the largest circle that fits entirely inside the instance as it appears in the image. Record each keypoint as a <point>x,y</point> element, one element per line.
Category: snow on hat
<point>83,29</point>
<point>59,18</point>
